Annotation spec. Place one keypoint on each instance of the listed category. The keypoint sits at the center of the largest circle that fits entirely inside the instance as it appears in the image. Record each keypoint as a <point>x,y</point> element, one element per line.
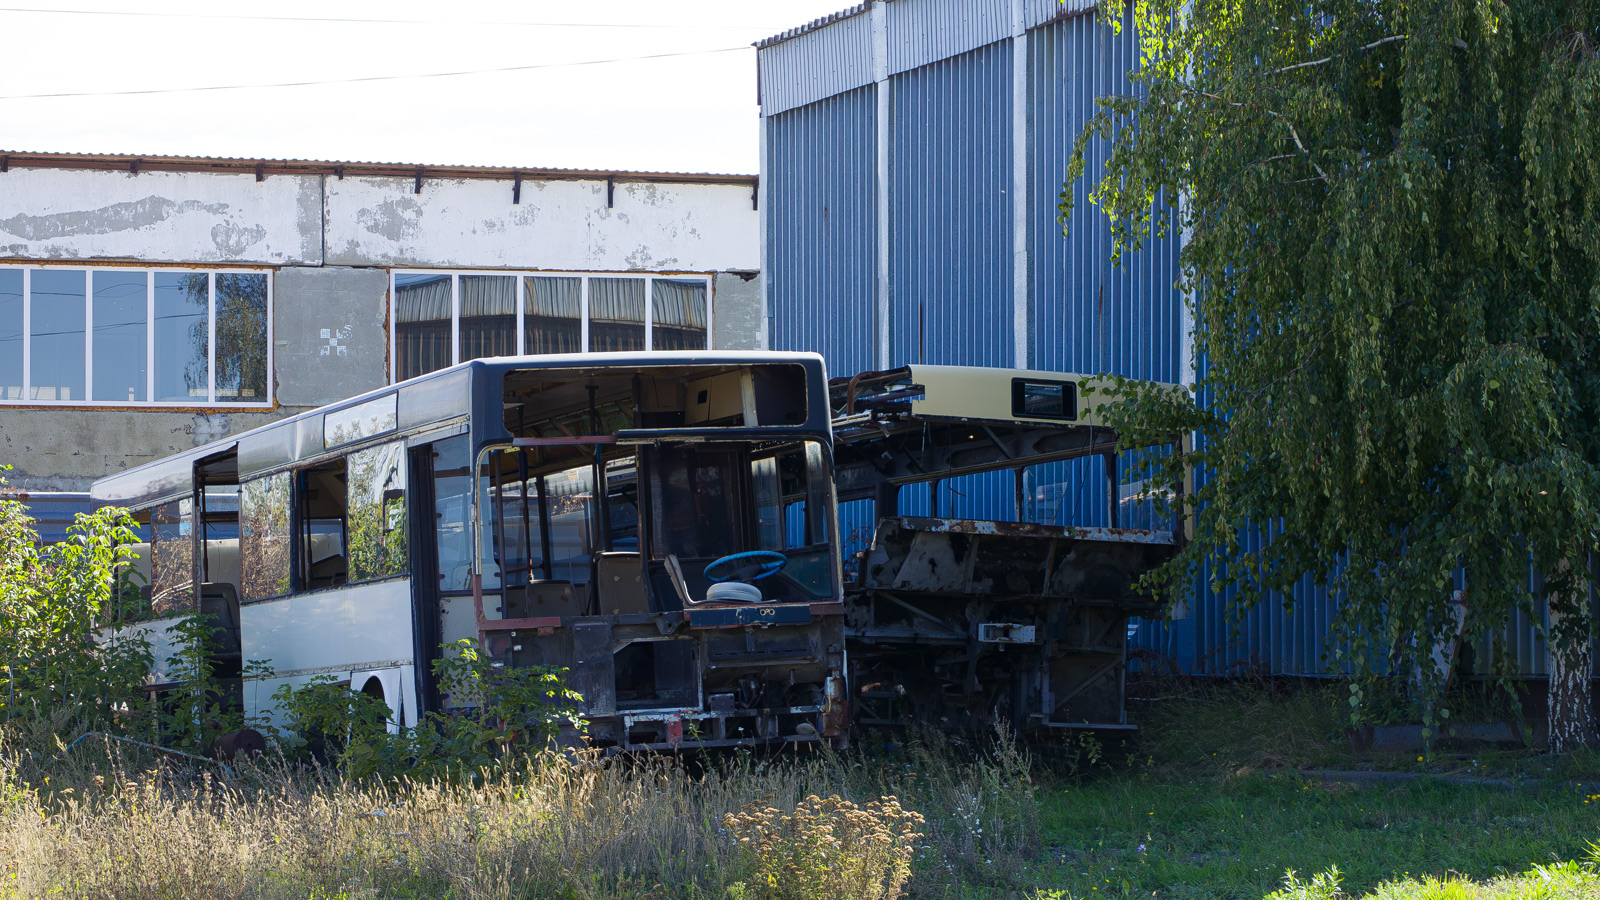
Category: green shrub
<point>53,601</point>
<point>499,711</point>
<point>825,848</point>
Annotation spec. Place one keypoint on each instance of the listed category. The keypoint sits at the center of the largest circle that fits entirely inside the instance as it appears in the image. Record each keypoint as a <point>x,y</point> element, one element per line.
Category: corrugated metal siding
<point>815,65</point>
<point>1089,316</point>
<point>950,227</point>
<point>926,31</point>
<point>951,274</point>
<point>1086,315</point>
<point>820,262</point>
<point>1038,12</point>
<point>986,495</point>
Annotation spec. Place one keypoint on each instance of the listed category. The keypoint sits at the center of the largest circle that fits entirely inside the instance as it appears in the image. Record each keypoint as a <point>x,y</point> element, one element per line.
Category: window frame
<point>210,400</point>
<point>521,307</point>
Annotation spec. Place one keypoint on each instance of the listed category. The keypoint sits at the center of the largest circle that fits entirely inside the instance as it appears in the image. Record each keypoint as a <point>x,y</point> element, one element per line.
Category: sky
<point>692,108</point>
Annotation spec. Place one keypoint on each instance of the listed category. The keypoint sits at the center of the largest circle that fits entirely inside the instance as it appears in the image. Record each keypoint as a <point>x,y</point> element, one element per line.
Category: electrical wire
<point>367,78</point>
<point>248,18</point>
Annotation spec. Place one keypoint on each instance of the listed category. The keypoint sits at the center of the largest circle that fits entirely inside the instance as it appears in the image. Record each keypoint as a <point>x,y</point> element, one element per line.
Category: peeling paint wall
<point>65,214</point>
<point>558,226</point>
<point>330,307</point>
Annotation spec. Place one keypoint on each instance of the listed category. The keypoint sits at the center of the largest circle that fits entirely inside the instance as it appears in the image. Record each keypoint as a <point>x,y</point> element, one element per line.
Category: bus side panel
<point>161,646</point>
<point>363,628</point>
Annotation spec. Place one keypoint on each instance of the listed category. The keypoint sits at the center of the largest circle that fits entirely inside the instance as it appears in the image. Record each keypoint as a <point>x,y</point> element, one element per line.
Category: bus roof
<point>468,391</point>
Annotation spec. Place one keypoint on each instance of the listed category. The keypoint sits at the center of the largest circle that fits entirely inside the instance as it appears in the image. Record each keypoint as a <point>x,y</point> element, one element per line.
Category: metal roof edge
<point>263,167</point>
<point>813,25</point>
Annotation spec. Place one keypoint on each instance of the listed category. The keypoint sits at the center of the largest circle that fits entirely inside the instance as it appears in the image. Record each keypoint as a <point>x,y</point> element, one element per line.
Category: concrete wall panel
<point>66,450</point>
<point>328,334</point>
<point>558,226</point>
<point>180,217</point>
<point>736,310</point>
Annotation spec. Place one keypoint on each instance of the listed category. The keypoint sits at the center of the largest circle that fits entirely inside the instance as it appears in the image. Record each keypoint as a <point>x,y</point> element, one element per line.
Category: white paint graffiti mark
<point>333,347</point>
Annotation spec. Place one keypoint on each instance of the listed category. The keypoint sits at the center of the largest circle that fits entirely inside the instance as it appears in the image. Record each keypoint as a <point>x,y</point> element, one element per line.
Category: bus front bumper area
<point>708,677</point>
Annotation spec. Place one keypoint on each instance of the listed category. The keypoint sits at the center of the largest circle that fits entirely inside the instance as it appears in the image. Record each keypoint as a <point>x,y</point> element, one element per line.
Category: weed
<point>826,848</point>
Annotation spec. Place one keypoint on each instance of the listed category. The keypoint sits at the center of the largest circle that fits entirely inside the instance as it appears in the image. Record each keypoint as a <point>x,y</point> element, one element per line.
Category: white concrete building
<point>151,304</point>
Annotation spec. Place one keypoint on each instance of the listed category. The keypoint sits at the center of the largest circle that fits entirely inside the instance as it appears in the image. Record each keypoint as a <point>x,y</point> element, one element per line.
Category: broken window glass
<point>172,559</point>
<point>265,542</point>
<point>241,337</point>
<point>119,335</point>
<point>377,512</point>
<point>182,332</point>
<point>488,316</point>
<point>57,313</point>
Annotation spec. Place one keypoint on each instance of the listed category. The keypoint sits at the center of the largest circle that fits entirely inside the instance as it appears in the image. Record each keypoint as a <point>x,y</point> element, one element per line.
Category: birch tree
<point>1392,217</point>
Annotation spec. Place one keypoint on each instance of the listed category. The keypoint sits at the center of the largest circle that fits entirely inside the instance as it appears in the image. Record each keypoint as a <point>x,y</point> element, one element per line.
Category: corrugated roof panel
<point>815,64</point>
<point>813,25</point>
<point>950,226</point>
<point>134,163</point>
<point>820,261</point>
<point>926,31</point>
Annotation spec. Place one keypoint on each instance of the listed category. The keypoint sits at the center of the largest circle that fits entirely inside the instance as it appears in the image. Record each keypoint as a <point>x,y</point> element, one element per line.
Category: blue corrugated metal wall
<point>820,256</point>
<point>950,230</point>
<point>1086,315</point>
<point>951,267</point>
<point>1089,316</point>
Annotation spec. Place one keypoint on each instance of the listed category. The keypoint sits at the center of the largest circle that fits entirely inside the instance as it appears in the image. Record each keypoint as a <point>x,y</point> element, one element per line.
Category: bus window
<point>377,512</point>
<point>172,559</point>
<point>265,557</point>
<point>571,503</point>
<point>791,490</point>
<point>622,503</point>
<point>320,517</point>
<point>696,510</point>
<point>452,485</point>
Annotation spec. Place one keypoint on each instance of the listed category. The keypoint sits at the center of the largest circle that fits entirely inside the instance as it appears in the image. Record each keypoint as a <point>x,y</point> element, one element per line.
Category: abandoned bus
<point>660,526</point>
<point>1022,618</point>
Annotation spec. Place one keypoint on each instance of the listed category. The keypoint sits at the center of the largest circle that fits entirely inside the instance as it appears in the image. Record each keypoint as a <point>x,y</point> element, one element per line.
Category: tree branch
<point>1292,133</point>
<point>1329,59</point>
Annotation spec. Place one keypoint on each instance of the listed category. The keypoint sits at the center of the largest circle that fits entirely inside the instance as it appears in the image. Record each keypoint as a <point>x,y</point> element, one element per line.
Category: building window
<point>140,337</point>
<point>444,318</point>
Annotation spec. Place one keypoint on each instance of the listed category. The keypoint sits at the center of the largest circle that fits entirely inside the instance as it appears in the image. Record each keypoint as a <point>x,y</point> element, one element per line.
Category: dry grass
<point>111,825</point>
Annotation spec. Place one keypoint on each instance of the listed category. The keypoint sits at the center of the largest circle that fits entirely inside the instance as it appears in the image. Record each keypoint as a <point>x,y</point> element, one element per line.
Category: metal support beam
<point>880,75</point>
<point>1021,138</point>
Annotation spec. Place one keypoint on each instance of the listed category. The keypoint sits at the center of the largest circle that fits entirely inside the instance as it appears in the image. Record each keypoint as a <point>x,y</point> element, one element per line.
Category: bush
<point>826,848</point>
<point>53,600</point>
<point>501,712</point>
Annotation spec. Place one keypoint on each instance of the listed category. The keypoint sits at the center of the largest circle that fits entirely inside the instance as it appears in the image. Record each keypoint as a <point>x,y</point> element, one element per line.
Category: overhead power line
<point>377,21</point>
<point>368,78</point>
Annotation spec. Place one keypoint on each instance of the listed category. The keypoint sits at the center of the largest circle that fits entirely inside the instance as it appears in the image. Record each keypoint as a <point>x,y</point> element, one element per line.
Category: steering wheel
<point>753,565</point>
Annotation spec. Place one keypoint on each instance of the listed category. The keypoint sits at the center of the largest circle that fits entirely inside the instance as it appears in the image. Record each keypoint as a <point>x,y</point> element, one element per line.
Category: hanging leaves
<point>1392,236</point>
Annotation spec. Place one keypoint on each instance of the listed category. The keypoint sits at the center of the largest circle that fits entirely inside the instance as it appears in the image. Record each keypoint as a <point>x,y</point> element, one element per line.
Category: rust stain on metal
<point>835,707</point>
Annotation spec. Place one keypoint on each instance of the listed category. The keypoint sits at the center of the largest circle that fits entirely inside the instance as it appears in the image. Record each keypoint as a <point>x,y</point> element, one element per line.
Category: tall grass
<point>107,824</point>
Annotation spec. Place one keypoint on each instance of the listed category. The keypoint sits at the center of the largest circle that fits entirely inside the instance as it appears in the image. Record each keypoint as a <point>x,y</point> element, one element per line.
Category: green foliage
<point>53,600</point>
<point>198,710</point>
<point>500,711</point>
<point>1392,219</point>
<point>1322,886</point>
